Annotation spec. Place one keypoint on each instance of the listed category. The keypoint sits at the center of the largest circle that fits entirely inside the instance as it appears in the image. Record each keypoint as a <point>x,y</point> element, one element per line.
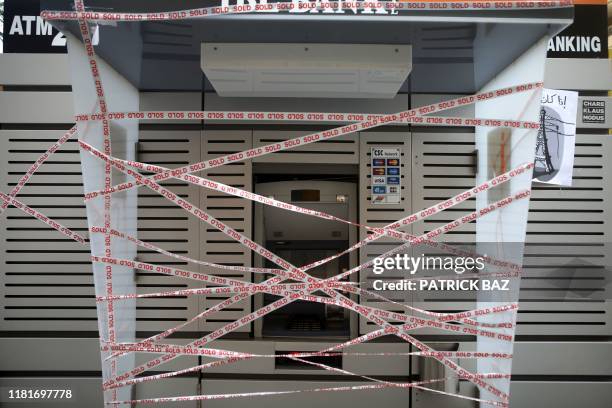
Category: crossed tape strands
<point>266,254</point>
<point>290,290</point>
<point>378,386</point>
<point>237,192</point>
<point>345,372</point>
<point>219,353</point>
<point>307,284</point>
<point>414,323</point>
<point>23,180</point>
<point>218,280</point>
<point>5,197</point>
<point>392,384</point>
<point>316,137</point>
<point>463,316</point>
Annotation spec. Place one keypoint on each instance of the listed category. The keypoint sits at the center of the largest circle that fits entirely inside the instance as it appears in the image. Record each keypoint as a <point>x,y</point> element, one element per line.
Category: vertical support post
<point>501,234</point>
<point>120,96</point>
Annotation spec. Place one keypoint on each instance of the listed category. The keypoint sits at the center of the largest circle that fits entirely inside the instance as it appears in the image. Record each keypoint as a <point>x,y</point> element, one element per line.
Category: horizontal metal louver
<point>46,278</point>
<point>443,165</point>
<point>566,251</point>
<point>164,224</point>
<point>234,211</point>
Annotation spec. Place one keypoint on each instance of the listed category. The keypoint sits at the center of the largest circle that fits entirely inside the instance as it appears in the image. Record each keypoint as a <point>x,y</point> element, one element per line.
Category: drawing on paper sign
<point>555,144</point>
<point>386,161</point>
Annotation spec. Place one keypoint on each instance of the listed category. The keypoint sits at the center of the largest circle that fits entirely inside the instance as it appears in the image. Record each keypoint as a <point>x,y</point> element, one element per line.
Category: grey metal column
<point>501,234</point>
<point>120,96</point>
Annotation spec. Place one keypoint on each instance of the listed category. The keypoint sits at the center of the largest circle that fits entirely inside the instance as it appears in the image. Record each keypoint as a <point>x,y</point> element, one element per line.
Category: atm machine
<point>354,62</point>
<point>301,240</point>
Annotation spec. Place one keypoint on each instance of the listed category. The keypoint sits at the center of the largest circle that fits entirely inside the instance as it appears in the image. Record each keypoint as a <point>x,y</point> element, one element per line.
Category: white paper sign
<point>556,141</point>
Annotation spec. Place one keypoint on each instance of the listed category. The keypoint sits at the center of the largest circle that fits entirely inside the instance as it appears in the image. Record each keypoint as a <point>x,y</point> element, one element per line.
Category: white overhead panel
<point>306,70</point>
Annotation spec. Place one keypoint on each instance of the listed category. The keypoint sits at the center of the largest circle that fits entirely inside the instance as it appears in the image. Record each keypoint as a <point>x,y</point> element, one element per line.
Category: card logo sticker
<point>393,180</point>
<point>386,161</point>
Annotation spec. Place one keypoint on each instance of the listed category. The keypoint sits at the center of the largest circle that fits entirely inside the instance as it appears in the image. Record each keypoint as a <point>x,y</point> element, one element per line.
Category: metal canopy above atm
<point>452,51</point>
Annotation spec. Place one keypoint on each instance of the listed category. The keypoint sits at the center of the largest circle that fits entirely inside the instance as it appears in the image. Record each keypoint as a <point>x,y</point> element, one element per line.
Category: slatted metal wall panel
<point>46,278</point>
<point>380,215</point>
<point>568,228</point>
<point>168,144</point>
<point>340,150</point>
<point>168,226</point>
<point>568,253</point>
<point>443,165</point>
<point>46,281</point>
<point>236,212</point>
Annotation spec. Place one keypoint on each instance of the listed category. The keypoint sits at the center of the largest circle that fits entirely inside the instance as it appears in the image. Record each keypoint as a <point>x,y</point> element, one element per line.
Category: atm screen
<point>305,195</point>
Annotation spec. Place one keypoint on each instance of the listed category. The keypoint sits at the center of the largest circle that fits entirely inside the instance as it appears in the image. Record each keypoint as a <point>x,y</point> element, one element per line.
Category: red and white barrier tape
<point>309,117</point>
<point>401,236</point>
<point>237,192</point>
<point>453,201</point>
<point>182,273</point>
<point>279,303</point>
<point>220,353</point>
<point>362,339</point>
<point>405,221</point>
<point>220,280</point>
<point>56,228</point>
<point>377,386</point>
<point>251,288</point>
<point>159,268</point>
<point>379,232</point>
<point>425,354</point>
<point>237,286</point>
<point>239,237</point>
<point>106,134</point>
<point>329,284</point>
<point>259,313</point>
<point>167,270</point>
<point>36,214</point>
<point>439,231</point>
<point>399,317</point>
<point>297,291</point>
<point>270,286</point>
<point>416,384</point>
<point>297,7</point>
<point>368,378</point>
<point>323,135</point>
<point>385,331</point>
<point>214,310</point>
